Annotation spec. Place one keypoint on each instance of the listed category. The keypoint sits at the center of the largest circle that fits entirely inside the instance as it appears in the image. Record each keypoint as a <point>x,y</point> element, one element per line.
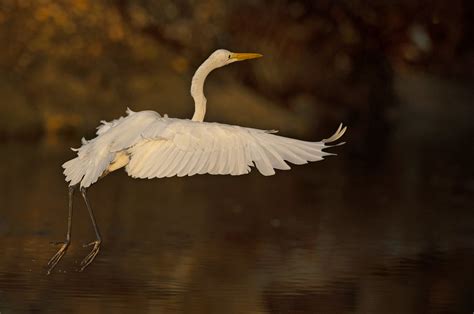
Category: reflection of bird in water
<point>151,146</point>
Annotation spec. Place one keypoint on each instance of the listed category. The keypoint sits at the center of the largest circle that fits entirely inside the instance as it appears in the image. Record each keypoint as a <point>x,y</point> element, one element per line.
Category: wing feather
<point>183,147</point>
<point>200,163</point>
<point>261,161</point>
<point>191,167</point>
<point>287,154</point>
<point>277,161</point>
<point>231,158</point>
<point>166,162</point>
<point>210,152</point>
<point>154,159</point>
<point>186,159</point>
<point>222,160</point>
<point>214,155</point>
<point>153,152</point>
<point>172,170</point>
<point>202,168</point>
<point>240,164</point>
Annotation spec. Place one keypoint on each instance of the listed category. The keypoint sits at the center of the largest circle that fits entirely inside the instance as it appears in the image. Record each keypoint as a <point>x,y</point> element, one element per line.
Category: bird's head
<point>223,57</point>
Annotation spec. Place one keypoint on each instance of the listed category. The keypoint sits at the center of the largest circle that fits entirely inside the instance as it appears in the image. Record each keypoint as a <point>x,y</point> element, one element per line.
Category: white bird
<point>152,146</point>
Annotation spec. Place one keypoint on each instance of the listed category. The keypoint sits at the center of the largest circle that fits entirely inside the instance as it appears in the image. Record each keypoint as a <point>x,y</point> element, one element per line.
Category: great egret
<point>151,146</point>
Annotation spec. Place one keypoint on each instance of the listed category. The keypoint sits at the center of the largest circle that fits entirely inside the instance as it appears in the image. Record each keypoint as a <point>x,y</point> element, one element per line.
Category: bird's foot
<point>59,254</point>
<point>91,256</point>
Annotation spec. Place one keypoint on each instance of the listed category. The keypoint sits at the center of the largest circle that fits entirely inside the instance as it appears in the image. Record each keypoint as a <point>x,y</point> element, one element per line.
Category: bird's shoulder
<point>168,128</point>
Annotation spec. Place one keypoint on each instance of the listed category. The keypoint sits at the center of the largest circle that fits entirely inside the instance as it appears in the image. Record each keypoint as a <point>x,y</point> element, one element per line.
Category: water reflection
<point>333,237</point>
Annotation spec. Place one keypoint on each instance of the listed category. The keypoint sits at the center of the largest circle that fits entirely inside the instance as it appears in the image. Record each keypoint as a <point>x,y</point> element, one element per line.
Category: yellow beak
<point>245,56</point>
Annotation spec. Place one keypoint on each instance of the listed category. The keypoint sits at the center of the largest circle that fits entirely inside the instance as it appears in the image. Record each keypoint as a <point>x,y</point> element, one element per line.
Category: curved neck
<point>197,90</point>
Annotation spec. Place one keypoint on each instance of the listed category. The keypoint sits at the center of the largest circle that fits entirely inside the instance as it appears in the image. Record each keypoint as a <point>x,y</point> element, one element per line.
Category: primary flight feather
<point>149,146</point>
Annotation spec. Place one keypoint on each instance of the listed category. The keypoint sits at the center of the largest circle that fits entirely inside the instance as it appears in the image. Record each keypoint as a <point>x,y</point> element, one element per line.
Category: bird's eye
<point>228,57</point>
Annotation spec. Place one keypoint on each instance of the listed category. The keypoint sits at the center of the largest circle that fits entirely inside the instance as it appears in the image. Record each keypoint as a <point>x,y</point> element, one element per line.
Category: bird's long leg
<point>64,245</point>
<point>95,250</point>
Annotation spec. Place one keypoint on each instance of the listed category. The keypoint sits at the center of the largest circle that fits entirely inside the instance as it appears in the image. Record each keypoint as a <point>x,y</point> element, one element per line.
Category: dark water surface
<point>390,233</point>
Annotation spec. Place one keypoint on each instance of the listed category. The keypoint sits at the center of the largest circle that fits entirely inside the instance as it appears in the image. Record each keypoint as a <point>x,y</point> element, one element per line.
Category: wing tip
<point>337,135</point>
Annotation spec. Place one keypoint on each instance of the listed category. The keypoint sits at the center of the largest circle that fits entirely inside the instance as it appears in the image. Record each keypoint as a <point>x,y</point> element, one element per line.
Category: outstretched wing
<point>184,147</point>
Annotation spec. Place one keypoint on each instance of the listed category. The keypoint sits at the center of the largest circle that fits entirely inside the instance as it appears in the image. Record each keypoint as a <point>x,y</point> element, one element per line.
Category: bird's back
<point>94,157</point>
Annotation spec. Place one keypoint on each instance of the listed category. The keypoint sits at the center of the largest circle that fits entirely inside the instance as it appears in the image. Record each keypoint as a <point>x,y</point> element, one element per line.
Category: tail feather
<point>74,170</point>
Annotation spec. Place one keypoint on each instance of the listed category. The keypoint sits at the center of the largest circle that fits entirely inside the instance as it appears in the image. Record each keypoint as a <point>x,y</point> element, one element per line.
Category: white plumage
<point>151,146</point>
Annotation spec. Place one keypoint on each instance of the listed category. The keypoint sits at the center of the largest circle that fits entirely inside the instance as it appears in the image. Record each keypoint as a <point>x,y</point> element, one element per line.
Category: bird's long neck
<point>197,90</point>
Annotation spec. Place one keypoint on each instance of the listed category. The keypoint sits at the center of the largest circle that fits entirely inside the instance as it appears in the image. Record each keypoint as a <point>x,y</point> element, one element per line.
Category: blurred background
<point>387,226</point>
